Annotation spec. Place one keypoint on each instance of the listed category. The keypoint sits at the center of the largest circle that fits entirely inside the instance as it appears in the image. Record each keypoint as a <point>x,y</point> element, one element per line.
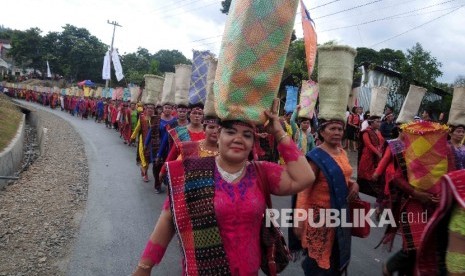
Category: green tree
<point>136,65</point>
<point>167,59</point>
<point>391,59</point>
<point>225,5</point>
<point>420,66</point>
<point>80,54</point>
<point>25,48</point>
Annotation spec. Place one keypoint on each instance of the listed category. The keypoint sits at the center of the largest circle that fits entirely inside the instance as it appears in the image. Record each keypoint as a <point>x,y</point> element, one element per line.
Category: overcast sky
<point>198,24</point>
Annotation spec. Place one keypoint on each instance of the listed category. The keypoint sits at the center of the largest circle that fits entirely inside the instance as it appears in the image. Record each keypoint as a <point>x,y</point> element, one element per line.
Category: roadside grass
<point>10,117</point>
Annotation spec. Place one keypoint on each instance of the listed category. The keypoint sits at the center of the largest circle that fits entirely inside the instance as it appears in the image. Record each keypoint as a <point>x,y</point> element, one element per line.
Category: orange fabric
<point>310,38</point>
<point>319,241</point>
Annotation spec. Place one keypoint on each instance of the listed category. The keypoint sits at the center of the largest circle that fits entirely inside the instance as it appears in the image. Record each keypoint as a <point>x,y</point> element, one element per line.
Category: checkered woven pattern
<point>126,94</point>
<point>198,85</point>
<point>252,56</point>
<point>426,153</point>
<point>308,97</point>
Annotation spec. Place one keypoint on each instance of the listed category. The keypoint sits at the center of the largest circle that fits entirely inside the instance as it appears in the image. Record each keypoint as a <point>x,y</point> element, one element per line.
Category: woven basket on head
<point>98,92</point>
<point>457,108</point>
<point>209,108</point>
<point>135,93</point>
<point>252,56</point>
<point>411,104</point>
<point>308,98</point>
<point>335,75</point>
<point>182,80</point>
<point>198,83</point>
<point>379,96</point>
<point>153,87</point>
<point>167,96</point>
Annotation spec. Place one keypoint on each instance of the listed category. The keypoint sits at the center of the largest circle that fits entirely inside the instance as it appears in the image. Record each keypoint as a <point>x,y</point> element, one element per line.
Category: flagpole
<point>114,23</point>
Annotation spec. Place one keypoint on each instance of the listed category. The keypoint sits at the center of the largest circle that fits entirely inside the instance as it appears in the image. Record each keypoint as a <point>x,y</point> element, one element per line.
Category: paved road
<point>122,209</point>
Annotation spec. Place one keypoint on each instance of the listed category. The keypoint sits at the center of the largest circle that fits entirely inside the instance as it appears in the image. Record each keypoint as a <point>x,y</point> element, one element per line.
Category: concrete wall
<point>35,121</point>
<point>12,155</point>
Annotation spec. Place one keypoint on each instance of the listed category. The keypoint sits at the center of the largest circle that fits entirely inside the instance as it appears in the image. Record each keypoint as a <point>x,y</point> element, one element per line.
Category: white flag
<point>49,74</point>
<point>117,65</point>
<point>106,67</point>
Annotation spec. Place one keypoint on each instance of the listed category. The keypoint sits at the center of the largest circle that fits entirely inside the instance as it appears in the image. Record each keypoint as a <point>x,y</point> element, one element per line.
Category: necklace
<point>209,152</point>
<point>229,177</point>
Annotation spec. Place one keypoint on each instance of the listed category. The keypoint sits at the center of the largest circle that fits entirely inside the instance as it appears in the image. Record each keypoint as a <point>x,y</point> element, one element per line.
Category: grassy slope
<point>10,117</point>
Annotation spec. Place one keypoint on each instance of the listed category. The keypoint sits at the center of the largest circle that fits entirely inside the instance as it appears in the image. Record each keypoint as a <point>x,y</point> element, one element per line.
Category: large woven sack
<point>153,87</point>
<point>335,75</point>
<point>411,104</point>
<point>167,96</point>
<point>425,153</point>
<point>86,91</point>
<point>198,84</point>
<point>119,93</point>
<point>135,93</point>
<point>457,108</point>
<point>379,96</point>
<point>291,98</point>
<point>308,98</point>
<point>182,81</point>
<point>209,107</point>
<point>252,56</point>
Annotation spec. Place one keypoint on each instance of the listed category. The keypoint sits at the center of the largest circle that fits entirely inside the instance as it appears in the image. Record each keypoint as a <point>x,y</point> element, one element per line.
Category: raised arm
<point>297,174</point>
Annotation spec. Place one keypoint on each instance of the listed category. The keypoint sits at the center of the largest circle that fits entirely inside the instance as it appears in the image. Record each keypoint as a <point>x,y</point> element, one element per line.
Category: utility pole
<point>114,23</point>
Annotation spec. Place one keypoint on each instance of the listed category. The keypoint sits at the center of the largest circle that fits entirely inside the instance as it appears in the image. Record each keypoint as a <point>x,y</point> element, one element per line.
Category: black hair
<point>322,124</point>
<point>229,123</point>
<point>181,106</point>
<point>196,105</point>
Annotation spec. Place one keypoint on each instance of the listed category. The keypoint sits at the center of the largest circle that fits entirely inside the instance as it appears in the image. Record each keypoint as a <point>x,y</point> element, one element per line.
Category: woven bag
<point>153,87</point>
<point>308,98</point>
<point>209,108</point>
<point>425,153</point>
<point>252,56</point>
<point>411,104</point>
<point>182,80</point>
<point>198,84</point>
<point>379,95</point>
<point>167,95</point>
<point>135,93</point>
<point>457,108</point>
<point>335,75</point>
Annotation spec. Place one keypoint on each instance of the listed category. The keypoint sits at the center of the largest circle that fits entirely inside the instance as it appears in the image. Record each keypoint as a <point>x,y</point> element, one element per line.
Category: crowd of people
<point>226,158</point>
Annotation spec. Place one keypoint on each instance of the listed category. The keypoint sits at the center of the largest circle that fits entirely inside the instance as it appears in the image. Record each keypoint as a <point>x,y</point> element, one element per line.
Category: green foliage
<point>5,33</point>
<point>168,59</point>
<point>25,48</point>
<point>225,5</point>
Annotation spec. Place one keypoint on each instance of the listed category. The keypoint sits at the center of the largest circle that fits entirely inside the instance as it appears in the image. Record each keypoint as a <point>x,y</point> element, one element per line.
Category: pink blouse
<point>239,210</point>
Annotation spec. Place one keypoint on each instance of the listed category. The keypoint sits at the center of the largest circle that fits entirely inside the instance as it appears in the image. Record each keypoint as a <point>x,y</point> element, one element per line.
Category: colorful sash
<point>191,191</point>
<point>397,149</point>
<point>338,196</point>
<point>179,134</point>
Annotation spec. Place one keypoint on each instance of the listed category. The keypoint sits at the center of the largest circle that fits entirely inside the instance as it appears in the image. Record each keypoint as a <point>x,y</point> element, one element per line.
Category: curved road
<point>122,209</point>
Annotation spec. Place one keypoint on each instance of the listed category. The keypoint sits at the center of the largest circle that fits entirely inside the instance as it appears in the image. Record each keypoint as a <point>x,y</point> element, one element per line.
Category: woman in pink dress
<point>217,203</point>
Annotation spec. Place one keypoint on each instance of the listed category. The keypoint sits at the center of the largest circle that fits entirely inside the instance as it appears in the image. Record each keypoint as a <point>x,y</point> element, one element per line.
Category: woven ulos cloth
<point>198,83</point>
<point>252,56</point>
<point>425,153</point>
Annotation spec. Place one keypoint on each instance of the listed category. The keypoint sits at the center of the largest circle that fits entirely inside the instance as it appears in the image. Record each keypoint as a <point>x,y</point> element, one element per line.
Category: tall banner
<point>310,38</point>
<point>49,74</point>
<point>117,65</point>
<point>106,67</point>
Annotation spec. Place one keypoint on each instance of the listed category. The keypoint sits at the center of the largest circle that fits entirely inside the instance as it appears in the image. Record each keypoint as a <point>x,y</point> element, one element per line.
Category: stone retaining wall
<point>12,155</point>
